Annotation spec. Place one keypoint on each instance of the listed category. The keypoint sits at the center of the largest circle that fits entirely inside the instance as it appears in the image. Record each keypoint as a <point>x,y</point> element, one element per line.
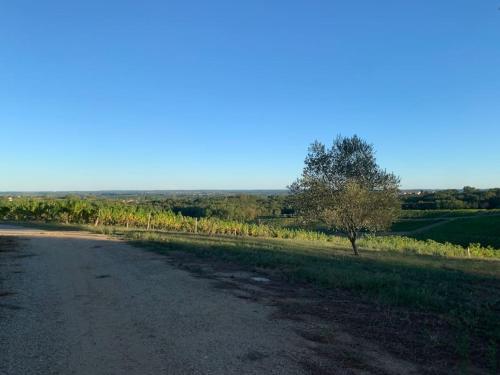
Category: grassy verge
<point>395,244</point>
<point>465,291</point>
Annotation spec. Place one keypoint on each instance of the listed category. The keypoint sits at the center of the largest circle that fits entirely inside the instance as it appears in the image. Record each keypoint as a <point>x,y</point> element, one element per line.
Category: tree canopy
<point>344,188</point>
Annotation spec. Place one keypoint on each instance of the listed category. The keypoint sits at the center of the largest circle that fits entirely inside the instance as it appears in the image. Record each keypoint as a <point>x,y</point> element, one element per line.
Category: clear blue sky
<point>229,94</point>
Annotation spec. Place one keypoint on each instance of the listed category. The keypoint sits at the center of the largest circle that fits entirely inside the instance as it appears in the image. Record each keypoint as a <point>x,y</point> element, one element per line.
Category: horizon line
<point>201,190</point>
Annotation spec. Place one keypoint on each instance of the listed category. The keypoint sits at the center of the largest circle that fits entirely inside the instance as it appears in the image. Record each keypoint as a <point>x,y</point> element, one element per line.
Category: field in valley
<point>463,227</point>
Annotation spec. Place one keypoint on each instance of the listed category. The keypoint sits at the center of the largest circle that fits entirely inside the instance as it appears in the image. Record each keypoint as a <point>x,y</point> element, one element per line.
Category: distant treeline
<point>469,197</point>
<point>241,207</point>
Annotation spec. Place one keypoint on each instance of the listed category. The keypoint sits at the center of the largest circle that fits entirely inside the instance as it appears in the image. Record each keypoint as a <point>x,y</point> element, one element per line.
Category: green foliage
<point>343,188</point>
<point>106,212</point>
<point>241,207</point>
<point>468,197</point>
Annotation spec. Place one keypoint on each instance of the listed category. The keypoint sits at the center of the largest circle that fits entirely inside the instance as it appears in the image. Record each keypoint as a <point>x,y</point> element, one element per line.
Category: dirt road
<point>79,303</point>
<point>76,303</point>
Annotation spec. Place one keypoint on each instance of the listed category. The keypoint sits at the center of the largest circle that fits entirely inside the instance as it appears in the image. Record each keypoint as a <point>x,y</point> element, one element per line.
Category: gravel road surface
<point>76,303</point>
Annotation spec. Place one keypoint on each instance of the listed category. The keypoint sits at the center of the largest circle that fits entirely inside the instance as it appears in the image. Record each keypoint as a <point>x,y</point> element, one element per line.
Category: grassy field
<point>464,231</point>
<point>433,214</point>
<point>459,227</point>
<point>411,225</point>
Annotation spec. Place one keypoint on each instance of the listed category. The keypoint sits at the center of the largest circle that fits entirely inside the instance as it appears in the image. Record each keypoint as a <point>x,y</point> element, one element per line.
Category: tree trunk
<point>354,245</point>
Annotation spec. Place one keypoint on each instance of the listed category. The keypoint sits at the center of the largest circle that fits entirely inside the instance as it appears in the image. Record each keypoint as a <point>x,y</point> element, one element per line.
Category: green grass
<point>409,245</point>
<point>433,214</point>
<point>482,229</point>
<point>411,225</point>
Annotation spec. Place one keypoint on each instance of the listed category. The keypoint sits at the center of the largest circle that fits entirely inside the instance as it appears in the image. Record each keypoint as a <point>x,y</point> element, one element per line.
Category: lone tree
<point>344,188</point>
